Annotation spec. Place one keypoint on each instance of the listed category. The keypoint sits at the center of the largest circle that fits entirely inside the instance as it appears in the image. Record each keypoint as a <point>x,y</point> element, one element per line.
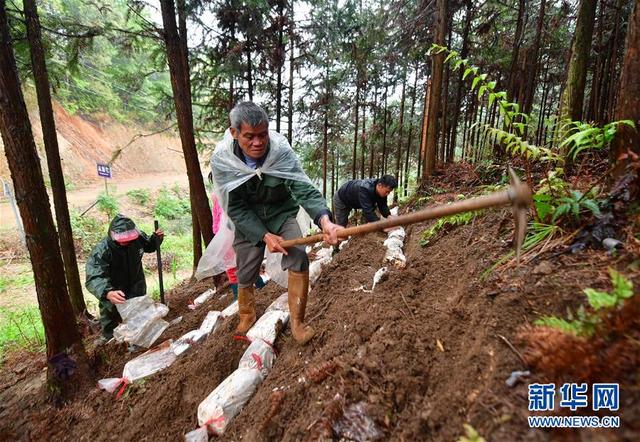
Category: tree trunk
<point>383,160</point>
<point>325,139</point>
<point>399,151</point>
<point>364,134</point>
<point>445,103</point>
<point>63,339</point>
<point>249,74</point>
<point>517,40</point>
<point>50,137</point>
<point>281,51</point>
<point>460,85</point>
<point>197,241</point>
<point>355,129</point>
<point>612,67</point>
<point>180,85</point>
<point>628,106</point>
<point>596,82</point>
<point>291,70</point>
<point>410,136</point>
<point>436,89</point>
<point>422,157</point>
<point>373,130</point>
<point>573,96</point>
<point>532,72</point>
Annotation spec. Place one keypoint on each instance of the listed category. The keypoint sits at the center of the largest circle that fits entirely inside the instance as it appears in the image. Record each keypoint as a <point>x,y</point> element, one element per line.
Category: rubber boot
<point>246,309</point>
<point>298,291</point>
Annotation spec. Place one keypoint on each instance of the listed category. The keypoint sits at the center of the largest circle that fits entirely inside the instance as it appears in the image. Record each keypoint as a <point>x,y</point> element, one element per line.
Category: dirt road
<point>82,198</point>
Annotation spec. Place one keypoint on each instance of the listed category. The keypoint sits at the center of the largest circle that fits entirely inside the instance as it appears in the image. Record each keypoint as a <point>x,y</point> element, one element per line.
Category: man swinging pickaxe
<point>518,195</point>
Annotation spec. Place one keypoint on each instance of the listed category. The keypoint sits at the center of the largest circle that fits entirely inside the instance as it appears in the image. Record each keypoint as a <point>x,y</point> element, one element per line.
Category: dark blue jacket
<point>361,194</point>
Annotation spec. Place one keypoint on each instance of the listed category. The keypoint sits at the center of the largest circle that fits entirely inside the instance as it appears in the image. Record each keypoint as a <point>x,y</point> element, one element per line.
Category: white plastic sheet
<point>281,303</point>
<point>323,257</point>
<point>142,324</point>
<point>226,401</point>
<point>202,298</point>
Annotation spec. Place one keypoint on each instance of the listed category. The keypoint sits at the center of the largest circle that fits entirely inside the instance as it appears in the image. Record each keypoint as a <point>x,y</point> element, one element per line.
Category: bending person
<point>261,185</point>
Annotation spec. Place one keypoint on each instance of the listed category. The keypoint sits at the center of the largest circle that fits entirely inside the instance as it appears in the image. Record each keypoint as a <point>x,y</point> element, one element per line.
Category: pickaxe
<point>518,195</point>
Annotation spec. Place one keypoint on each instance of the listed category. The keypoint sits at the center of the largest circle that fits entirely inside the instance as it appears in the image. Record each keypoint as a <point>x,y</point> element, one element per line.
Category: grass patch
<point>20,280</point>
<point>87,231</point>
<point>458,219</point>
<point>20,328</point>
<point>171,204</point>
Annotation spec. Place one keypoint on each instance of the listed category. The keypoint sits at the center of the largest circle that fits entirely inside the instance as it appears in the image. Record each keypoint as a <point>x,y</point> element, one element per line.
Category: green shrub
<point>87,231</point>
<point>107,204</point>
<point>171,206</point>
<point>139,196</point>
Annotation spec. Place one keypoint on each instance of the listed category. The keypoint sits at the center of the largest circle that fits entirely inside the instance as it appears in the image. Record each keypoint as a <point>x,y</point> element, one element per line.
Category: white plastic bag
<point>219,254</point>
<point>198,435</point>
<point>110,384</point>
<point>202,298</point>
<point>258,356</point>
<point>394,244</point>
<point>281,303</point>
<point>210,322</point>
<point>231,310</point>
<point>184,342</point>
<point>150,362</point>
<point>378,276</point>
<point>266,327</point>
<point>224,403</point>
<point>142,324</point>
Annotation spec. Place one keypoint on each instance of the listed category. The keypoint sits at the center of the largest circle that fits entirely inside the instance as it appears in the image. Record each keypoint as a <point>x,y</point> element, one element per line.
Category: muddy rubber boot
<point>246,309</point>
<point>298,291</point>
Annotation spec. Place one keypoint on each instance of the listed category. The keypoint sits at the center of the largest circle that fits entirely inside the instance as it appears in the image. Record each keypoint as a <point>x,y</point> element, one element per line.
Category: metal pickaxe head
<point>520,196</point>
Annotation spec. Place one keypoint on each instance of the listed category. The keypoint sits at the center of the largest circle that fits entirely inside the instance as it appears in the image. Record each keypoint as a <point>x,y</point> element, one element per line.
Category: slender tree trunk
<point>573,95</point>
<point>399,151</point>
<point>364,133</point>
<point>436,89</point>
<point>422,157</point>
<point>383,160</point>
<point>612,66</point>
<point>180,85</point>
<point>291,71</point>
<point>249,74</point>
<point>325,136</point>
<point>532,74</point>
<point>628,107</point>
<point>197,241</point>
<point>281,56</point>
<point>410,135</point>
<point>596,82</point>
<point>50,137</point>
<point>63,340</point>
<point>372,145</point>
<point>355,130</point>
<point>445,105</point>
<point>517,41</point>
<point>459,88</point>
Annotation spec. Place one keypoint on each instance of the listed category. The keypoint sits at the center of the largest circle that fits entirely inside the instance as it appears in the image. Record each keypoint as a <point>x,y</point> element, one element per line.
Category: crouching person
<point>261,184</point>
<point>114,270</point>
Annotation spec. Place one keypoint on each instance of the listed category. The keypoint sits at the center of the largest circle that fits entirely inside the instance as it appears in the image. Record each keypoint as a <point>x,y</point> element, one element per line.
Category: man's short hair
<point>249,113</point>
<point>389,181</point>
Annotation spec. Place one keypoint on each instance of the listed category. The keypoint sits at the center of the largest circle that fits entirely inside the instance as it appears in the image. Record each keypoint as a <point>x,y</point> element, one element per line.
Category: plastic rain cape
<point>230,172</point>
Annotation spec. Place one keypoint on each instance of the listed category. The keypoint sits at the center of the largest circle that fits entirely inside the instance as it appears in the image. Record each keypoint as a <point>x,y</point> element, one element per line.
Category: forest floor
<point>428,351</point>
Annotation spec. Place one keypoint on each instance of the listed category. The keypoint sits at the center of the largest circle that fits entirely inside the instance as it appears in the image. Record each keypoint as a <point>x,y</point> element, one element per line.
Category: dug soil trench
<point>426,352</point>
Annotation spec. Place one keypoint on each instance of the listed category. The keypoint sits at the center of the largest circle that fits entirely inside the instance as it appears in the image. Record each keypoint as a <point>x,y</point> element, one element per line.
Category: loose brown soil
<point>425,352</point>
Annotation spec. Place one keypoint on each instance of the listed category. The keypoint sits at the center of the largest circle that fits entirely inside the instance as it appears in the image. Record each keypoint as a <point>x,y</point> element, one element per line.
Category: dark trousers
<point>340,210</point>
<point>249,256</point>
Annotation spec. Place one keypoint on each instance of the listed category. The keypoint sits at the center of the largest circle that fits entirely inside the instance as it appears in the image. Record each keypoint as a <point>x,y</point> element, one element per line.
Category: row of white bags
<point>165,354</point>
<point>219,408</point>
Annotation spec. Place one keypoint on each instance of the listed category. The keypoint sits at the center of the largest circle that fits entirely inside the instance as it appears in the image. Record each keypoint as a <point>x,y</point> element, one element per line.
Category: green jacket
<point>115,267</point>
<point>263,205</point>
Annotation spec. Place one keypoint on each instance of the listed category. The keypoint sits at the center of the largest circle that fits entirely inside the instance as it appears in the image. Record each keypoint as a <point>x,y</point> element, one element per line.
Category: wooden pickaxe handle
<point>517,194</point>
